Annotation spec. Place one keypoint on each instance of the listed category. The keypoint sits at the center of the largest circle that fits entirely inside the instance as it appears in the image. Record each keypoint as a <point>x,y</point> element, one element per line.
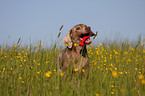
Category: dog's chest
<point>78,60</point>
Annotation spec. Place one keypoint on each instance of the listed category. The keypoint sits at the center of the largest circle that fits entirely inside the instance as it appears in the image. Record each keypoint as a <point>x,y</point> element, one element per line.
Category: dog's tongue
<point>83,40</point>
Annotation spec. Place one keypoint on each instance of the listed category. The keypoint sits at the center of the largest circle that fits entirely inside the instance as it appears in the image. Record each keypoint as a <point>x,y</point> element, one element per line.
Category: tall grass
<point>115,69</point>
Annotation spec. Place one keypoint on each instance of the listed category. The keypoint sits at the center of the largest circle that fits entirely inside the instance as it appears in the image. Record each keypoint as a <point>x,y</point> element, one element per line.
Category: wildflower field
<point>116,69</point>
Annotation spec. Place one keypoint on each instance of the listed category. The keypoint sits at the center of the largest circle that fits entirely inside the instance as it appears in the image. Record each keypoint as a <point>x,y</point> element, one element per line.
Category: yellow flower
<point>15,46</point>
<point>112,86</point>
<point>19,54</point>
<point>39,72</point>
<point>54,70</point>
<point>47,74</point>
<point>141,76</point>
<point>104,60</point>
<point>111,65</point>
<point>57,41</point>
<point>143,81</point>
<point>101,44</point>
<point>22,81</point>
<point>95,64</point>
<point>38,63</point>
<point>4,69</point>
<point>121,73</point>
<point>132,49</point>
<point>97,94</point>
<point>112,92</point>
<point>57,88</point>
<point>110,69</point>
<point>34,61</point>
<point>83,70</point>
<point>22,51</point>
<point>76,70</point>
<point>75,44</point>
<point>114,73</point>
<point>42,45</point>
<point>129,60</point>
<point>24,60</point>
<point>116,52</point>
<point>20,77</point>
<point>125,72</point>
<point>26,53</point>
<point>97,52</point>
<point>35,45</point>
<point>66,45</point>
<point>61,74</point>
<point>125,53</point>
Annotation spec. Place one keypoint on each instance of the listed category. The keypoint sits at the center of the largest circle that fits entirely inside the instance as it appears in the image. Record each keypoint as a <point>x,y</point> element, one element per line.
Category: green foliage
<point>115,69</point>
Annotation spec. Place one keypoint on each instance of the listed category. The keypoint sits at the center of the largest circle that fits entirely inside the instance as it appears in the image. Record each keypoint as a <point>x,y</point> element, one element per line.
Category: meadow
<point>116,69</point>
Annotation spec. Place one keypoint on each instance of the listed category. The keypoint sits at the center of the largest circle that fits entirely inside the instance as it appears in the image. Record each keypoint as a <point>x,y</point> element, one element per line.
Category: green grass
<point>115,70</point>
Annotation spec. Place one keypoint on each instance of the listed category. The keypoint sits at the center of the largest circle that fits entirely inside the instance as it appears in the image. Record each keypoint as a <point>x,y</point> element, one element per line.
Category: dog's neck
<point>79,50</point>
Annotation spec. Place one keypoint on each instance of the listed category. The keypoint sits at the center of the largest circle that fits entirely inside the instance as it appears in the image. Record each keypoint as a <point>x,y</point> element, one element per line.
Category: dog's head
<point>77,34</point>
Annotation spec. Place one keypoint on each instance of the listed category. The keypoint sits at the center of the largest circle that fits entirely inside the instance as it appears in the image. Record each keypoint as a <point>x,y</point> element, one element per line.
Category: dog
<point>75,54</point>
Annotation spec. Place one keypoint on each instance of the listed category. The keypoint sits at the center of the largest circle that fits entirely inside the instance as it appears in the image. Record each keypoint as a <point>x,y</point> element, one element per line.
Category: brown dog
<point>75,55</point>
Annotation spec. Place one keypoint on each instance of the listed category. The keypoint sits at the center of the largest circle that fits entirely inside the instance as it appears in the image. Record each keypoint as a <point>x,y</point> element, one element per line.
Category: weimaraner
<point>75,54</point>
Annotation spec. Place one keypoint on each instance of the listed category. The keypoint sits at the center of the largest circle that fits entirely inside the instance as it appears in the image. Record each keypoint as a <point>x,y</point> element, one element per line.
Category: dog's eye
<point>78,28</point>
<point>88,28</point>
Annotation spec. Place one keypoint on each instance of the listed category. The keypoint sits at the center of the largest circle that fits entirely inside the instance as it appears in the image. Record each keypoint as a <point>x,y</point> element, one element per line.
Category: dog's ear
<point>67,40</point>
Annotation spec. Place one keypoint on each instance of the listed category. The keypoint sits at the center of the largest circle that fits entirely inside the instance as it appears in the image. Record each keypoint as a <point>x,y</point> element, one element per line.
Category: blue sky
<point>41,19</point>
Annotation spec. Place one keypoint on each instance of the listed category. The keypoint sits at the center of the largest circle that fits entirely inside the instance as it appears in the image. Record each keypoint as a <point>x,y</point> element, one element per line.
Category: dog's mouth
<point>85,38</point>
